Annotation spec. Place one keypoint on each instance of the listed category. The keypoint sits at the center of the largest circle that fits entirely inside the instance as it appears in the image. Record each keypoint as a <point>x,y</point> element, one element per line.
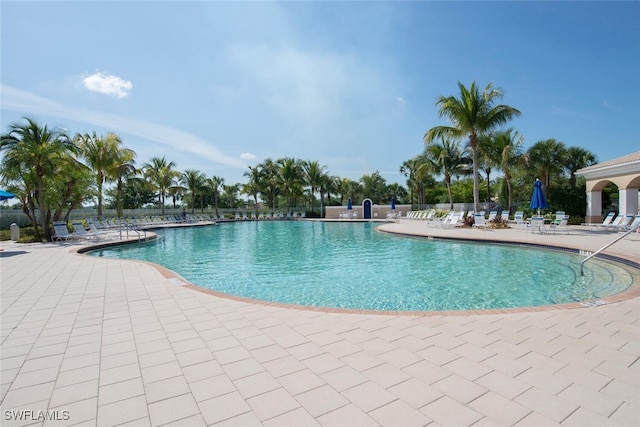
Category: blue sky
<point>219,86</point>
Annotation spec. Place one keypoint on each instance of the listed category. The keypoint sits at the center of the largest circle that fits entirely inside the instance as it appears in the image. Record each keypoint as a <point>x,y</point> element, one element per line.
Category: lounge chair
<point>618,222</point>
<point>492,215</point>
<point>623,224</point>
<point>563,224</point>
<point>479,221</point>
<point>504,215</point>
<point>99,232</point>
<point>536,224</point>
<point>455,220</point>
<point>61,232</point>
<point>81,232</point>
<point>605,222</point>
<point>559,216</point>
<point>633,224</point>
<point>518,218</point>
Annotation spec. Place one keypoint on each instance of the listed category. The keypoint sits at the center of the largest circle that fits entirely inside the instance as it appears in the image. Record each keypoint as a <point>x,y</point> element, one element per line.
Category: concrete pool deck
<point>96,341</point>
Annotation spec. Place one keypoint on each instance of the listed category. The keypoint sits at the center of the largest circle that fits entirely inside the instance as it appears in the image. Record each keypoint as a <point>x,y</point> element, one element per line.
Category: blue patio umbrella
<point>537,198</point>
<point>393,203</point>
<point>4,195</point>
<point>349,207</point>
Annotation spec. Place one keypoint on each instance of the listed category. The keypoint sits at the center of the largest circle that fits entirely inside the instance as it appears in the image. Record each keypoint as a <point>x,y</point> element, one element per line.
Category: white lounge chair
<point>618,222</point>
<point>492,215</point>
<point>633,224</point>
<point>455,220</point>
<point>536,225</point>
<point>518,218</point>
<point>605,222</point>
<point>563,224</point>
<point>479,221</point>
<point>623,224</point>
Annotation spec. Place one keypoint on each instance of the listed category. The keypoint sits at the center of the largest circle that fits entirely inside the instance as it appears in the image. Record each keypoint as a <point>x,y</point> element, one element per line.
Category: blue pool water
<point>351,265</point>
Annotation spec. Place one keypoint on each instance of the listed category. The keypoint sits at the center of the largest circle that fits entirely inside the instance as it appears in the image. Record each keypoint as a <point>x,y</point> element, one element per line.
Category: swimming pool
<point>352,266</point>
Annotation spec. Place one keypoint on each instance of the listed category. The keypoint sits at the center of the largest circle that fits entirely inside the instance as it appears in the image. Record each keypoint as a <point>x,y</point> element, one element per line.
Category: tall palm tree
<point>124,168</point>
<point>215,185</point>
<point>547,159</point>
<point>471,115</point>
<point>194,181</point>
<point>101,155</point>
<point>509,144</point>
<point>290,178</point>
<point>333,186</point>
<point>489,155</point>
<point>416,169</point>
<point>578,158</point>
<point>314,174</point>
<point>161,174</point>
<point>325,184</point>
<point>252,188</point>
<point>447,158</point>
<point>269,185</point>
<point>39,150</point>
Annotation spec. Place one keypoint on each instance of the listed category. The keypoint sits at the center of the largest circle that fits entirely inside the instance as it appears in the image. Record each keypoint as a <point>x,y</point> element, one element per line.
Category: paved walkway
<point>95,341</point>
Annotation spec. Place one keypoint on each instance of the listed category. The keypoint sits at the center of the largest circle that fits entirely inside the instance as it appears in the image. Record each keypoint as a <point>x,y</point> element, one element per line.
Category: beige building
<point>623,172</point>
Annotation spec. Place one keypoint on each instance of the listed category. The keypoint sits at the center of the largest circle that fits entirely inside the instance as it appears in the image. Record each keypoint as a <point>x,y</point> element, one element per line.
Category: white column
<point>594,206</point>
<point>628,201</point>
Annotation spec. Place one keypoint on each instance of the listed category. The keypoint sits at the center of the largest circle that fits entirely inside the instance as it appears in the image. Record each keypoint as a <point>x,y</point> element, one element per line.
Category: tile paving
<point>102,342</point>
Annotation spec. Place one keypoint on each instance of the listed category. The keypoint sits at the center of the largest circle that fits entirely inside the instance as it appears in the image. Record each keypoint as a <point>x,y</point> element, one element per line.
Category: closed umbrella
<point>349,207</point>
<point>537,198</point>
<point>393,204</point>
<point>4,195</point>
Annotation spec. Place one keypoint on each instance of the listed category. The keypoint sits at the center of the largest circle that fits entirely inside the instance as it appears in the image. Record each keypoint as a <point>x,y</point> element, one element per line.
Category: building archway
<point>623,172</point>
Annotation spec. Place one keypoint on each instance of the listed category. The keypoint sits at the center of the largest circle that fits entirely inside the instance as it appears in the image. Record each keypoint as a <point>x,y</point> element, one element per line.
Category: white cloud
<point>107,84</point>
<point>247,156</point>
<point>18,100</point>
<point>401,101</point>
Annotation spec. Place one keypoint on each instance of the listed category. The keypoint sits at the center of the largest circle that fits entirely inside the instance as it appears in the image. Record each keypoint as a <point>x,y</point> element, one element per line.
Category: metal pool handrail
<point>625,234</point>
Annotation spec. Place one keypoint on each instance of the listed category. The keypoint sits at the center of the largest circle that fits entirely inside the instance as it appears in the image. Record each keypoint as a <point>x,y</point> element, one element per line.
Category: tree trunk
<point>508,179</point>
<point>488,186</point>
<point>447,180</point>
<point>473,143</point>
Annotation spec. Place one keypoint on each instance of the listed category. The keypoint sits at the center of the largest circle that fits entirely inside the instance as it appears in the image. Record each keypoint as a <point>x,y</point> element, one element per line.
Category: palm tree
<point>509,144</point>
<point>252,188</point>
<point>547,158</point>
<point>313,175</point>
<point>416,170</point>
<point>101,155</point>
<point>268,183</point>
<point>231,194</point>
<point>194,181</point>
<point>215,184</point>
<point>578,158</point>
<point>447,158</point>
<point>161,174</point>
<point>490,156</point>
<point>290,178</point>
<point>38,150</point>
<point>471,115</point>
<point>124,167</point>
<point>332,186</point>
<point>374,187</point>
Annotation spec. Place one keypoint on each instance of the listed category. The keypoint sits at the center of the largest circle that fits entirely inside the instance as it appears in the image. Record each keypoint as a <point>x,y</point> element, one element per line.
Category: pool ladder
<point>625,234</point>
